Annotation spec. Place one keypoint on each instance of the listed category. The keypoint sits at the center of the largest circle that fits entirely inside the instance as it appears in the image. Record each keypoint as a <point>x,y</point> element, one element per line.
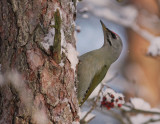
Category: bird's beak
<point>104,27</point>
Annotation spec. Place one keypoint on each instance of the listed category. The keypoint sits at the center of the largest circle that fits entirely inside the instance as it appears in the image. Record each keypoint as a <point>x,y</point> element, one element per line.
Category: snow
<point>98,2</point>
<point>154,48</point>
<point>139,103</point>
<point>78,29</point>
<point>83,10</point>
<point>141,119</point>
<point>89,116</point>
<point>61,63</point>
<point>75,122</point>
<point>72,55</point>
<point>105,10</point>
<point>49,38</point>
<point>72,6</point>
<point>63,40</point>
<point>155,110</point>
<point>85,16</point>
<point>110,95</point>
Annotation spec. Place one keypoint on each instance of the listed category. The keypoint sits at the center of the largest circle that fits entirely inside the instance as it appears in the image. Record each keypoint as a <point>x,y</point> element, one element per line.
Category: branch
<point>151,120</point>
<point>134,110</point>
<point>94,104</point>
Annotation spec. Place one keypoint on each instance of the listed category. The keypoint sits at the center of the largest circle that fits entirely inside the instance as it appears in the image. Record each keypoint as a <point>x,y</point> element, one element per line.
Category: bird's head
<point>112,40</point>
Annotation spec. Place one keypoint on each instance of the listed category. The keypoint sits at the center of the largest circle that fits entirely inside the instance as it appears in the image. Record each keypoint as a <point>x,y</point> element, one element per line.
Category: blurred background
<point>137,22</point>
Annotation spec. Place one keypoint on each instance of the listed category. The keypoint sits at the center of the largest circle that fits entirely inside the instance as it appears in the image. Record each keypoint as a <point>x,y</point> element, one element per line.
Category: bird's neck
<point>108,54</point>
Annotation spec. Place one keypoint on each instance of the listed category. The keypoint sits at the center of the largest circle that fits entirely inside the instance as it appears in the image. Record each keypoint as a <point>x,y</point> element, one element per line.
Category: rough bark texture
<point>23,26</point>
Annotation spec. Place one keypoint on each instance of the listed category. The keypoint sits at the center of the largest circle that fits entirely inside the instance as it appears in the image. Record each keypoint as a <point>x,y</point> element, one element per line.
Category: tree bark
<point>33,38</point>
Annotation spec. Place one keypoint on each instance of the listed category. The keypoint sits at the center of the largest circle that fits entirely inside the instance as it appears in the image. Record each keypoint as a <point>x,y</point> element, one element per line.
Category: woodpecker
<point>94,65</point>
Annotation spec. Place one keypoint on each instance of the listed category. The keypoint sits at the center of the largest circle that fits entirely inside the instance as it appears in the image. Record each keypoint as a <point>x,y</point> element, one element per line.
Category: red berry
<point>102,103</point>
<point>120,98</point>
<point>112,96</point>
<point>112,105</point>
<point>119,105</point>
<point>116,100</point>
<point>104,98</point>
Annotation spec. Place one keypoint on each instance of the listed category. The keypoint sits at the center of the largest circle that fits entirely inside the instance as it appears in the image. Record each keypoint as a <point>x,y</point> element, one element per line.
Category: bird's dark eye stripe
<point>110,43</point>
<point>113,35</point>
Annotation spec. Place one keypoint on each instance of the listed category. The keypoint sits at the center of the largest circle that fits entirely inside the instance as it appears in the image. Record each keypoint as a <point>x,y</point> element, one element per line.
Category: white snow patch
<point>75,122</point>
<point>89,116</point>
<point>111,95</point>
<point>145,34</point>
<point>49,38</point>
<point>83,10</point>
<point>85,16</point>
<point>105,10</point>
<point>141,119</point>
<point>65,100</point>
<point>155,110</point>
<point>139,103</point>
<point>61,63</point>
<point>72,55</point>
<point>98,2</point>
<point>63,40</point>
<point>72,6</point>
<point>78,29</point>
<point>126,108</point>
<point>154,48</point>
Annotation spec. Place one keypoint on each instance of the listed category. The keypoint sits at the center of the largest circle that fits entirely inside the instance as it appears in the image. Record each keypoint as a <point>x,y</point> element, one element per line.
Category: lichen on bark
<point>57,37</point>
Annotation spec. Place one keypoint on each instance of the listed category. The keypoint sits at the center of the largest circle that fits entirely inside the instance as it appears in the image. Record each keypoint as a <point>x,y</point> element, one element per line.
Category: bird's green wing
<point>98,77</point>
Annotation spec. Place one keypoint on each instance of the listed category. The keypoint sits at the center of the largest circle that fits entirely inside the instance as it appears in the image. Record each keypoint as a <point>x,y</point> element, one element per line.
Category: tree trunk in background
<point>31,35</point>
<point>145,69</point>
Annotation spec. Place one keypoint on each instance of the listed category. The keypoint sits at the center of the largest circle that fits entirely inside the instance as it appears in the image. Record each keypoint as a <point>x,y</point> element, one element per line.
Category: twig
<point>127,117</point>
<point>152,120</point>
<point>134,110</point>
<point>112,114</point>
<point>94,104</point>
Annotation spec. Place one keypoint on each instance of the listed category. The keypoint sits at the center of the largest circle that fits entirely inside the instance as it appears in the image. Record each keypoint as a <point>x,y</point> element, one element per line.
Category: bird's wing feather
<point>96,80</point>
<point>87,68</point>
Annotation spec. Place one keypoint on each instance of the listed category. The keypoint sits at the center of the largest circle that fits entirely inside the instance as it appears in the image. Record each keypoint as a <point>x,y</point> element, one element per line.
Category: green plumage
<point>94,65</point>
<point>90,76</point>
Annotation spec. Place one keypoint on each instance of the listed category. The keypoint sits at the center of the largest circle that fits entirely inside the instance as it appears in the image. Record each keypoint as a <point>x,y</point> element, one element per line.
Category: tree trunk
<point>39,78</point>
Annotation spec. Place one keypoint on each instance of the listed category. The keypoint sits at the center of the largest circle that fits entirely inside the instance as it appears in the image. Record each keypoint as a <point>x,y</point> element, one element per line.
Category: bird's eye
<point>113,36</point>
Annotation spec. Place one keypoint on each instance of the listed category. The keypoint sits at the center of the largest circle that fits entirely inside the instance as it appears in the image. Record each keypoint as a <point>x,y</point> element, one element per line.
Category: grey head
<point>112,41</point>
